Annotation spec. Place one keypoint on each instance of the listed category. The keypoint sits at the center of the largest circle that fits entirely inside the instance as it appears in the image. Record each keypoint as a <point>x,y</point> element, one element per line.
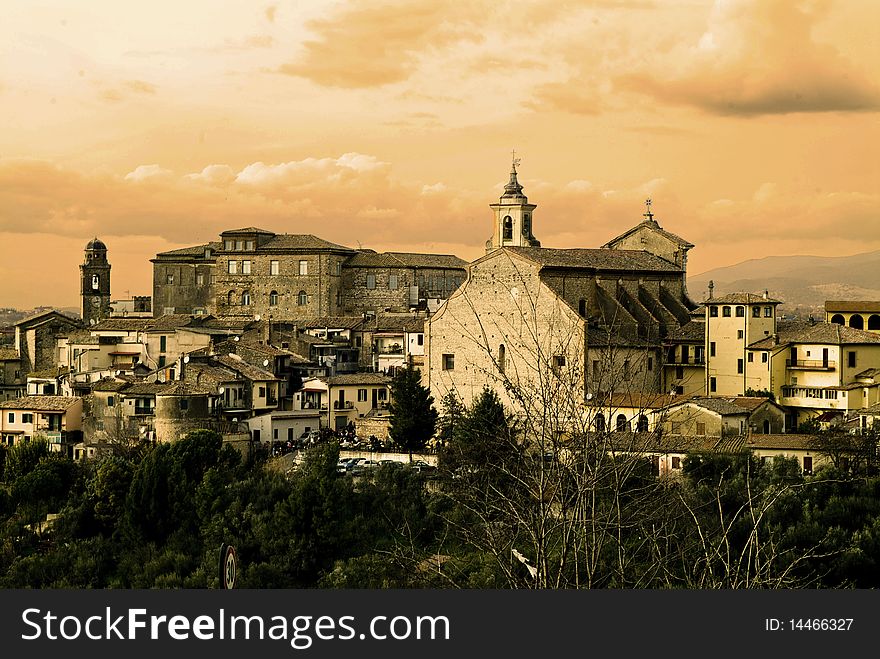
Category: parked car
<point>420,466</point>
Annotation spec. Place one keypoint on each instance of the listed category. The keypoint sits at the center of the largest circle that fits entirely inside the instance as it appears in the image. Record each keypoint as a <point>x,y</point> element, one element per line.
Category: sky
<point>388,124</point>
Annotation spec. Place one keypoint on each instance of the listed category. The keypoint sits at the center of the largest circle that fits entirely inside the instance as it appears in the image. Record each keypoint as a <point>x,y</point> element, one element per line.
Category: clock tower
<point>95,283</point>
<point>513,216</point>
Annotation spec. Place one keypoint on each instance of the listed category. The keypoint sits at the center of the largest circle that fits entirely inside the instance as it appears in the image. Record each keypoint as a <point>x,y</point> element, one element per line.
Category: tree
<point>413,417</point>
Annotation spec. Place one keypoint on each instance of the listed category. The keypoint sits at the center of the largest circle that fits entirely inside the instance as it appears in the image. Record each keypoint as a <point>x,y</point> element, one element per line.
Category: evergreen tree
<point>413,417</point>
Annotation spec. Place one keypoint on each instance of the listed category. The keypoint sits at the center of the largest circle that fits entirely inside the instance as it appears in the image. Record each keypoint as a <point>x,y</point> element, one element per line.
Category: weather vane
<point>513,157</point>
<point>649,214</point>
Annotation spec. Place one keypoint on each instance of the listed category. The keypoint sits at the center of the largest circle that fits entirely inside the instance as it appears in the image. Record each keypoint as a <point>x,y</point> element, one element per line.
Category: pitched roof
<point>44,316</point>
<point>828,333</point>
<point>237,364</point>
<point>598,259</point>
<point>300,242</point>
<point>195,250</point>
<point>370,259</point>
<point>635,400</point>
<point>357,378</point>
<point>692,331</point>
<point>722,406</point>
<point>107,384</point>
<point>742,298</point>
<point>653,226</point>
<point>869,306</point>
<point>162,323</point>
<point>332,322</point>
<point>248,230</point>
<point>39,403</point>
<point>790,442</point>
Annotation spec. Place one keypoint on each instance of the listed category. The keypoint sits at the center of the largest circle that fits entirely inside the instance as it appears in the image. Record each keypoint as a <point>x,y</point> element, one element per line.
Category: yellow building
<point>858,314</point>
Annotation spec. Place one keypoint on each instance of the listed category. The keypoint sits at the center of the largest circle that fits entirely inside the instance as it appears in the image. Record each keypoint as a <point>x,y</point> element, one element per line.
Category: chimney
<point>766,293</point>
<point>711,289</point>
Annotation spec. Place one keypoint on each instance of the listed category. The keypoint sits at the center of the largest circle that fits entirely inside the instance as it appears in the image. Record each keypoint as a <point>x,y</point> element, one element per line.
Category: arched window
<point>273,299</point>
<point>508,228</point>
<point>621,423</point>
<point>740,312</point>
<point>582,308</point>
<point>838,319</point>
<point>502,358</point>
<point>856,321</point>
<point>230,298</point>
<point>725,312</point>
<point>245,298</point>
<point>600,422</point>
<point>874,322</point>
<point>642,424</point>
<point>527,224</point>
<point>302,299</point>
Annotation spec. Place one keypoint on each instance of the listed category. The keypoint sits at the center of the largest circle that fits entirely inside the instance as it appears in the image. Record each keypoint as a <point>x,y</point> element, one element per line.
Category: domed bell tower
<point>95,283</point>
<point>513,216</point>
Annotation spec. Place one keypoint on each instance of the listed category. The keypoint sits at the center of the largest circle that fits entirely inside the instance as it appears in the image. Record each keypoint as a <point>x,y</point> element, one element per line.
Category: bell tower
<point>95,283</point>
<point>513,216</point>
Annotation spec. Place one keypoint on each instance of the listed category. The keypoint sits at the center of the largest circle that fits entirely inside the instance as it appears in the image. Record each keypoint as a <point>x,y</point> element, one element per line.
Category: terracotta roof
<point>248,230</point>
<point>357,378</point>
<point>635,400</point>
<point>8,354</point>
<point>692,331</point>
<point>237,364</point>
<point>869,306</point>
<point>828,333</point>
<point>39,403</point>
<point>653,226</point>
<point>195,250</point>
<point>332,322</point>
<point>598,259</point>
<point>370,259</point>
<point>742,298</point>
<point>300,242</point>
<point>790,442</point>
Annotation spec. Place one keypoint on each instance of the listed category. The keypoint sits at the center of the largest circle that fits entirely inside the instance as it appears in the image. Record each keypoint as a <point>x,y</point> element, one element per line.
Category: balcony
<point>810,364</point>
<point>340,405</point>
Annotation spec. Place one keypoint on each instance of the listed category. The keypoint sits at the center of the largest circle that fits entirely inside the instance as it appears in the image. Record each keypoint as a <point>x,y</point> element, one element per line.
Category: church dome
<point>96,244</point>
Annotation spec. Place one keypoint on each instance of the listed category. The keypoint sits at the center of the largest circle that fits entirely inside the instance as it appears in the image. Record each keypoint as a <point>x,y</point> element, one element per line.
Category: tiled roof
<point>248,230</point>
<point>237,364</point>
<point>179,388</point>
<point>723,406</point>
<point>693,331</point>
<point>791,442</point>
<point>653,226</point>
<point>208,375</point>
<point>742,298</point>
<point>332,322</point>
<point>109,385</point>
<point>357,378</point>
<point>868,306</point>
<point>827,333</point>
<point>300,242</point>
<point>370,259</point>
<point>160,324</point>
<point>39,403</point>
<point>8,354</point>
<point>396,323</point>
<point>195,250</point>
<point>599,259</point>
<point>45,315</point>
<point>635,400</point>
<point>869,373</point>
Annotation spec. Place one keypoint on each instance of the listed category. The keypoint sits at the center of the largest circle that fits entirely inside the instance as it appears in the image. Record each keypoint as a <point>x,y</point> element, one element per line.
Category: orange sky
<point>753,124</point>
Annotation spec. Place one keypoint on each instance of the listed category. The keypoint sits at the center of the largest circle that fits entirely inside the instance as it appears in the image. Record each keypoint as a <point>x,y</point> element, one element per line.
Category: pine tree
<point>413,417</point>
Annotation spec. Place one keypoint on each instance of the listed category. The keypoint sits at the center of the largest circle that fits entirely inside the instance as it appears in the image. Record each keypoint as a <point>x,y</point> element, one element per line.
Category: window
<point>169,278</point>
<point>582,308</point>
<point>642,424</point>
<point>362,395</point>
<point>740,312</point>
<point>763,357</point>
<point>99,425</point>
<point>230,298</point>
<point>273,267</point>
<point>600,422</point>
<point>420,339</point>
<point>508,228</point>
<point>725,311</point>
<point>739,366</point>
<point>239,245</point>
<point>273,299</point>
<point>381,394</point>
<point>650,363</point>
<point>679,372</point>
<point>712,385</point>
<point>756,312</point>
<point>595,368</point>
<point>713,311</point>
<point>184,404</point>
<point>111,401</point>
<point>27,418</point>
<point>163,343</point>
<point>371,281</point>
<point>851,359</point>
<point>11,417</point>
<point>751,357</point>
<point>245,298</point>
<point>622,423</point>
<point>699,355</point>
<point>768,312</point>
<point>245,267</point>
<point>502,357</point>
<point>448,362</point>
<point>711,348</point>
<point>558,362</point>
<point>200,279</point>
<point>676,462</point>
<point>233,268</point>
<point>303,267</point>
<point>249,245</point>
<point>626,370</point>
<point>161,361</point>
<point>739,334</point>
<point>228,245</point>
<point>339,268</point>
<point>261,392</point>
<point>701,428</point>
<point>302,299</point>
<point>527,224</point>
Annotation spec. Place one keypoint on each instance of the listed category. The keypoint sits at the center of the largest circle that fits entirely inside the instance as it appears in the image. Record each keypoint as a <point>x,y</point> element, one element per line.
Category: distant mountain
<point>803,283</point>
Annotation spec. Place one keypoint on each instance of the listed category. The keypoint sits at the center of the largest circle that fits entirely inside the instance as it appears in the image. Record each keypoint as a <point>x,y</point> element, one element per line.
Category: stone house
<point>703,416</point>
<point>36,338</point>
<point>12,379</point>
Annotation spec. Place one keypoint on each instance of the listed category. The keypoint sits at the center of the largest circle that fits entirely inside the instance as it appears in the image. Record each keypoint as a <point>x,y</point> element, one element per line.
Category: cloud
<point>574,96</point>
<point>124,90</point>
<point>147,172</point>
<point>379,43</point>
<point>759,57</point>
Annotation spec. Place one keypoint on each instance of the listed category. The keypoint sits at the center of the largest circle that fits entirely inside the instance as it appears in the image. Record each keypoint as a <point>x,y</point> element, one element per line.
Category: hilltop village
<point>275,339</point>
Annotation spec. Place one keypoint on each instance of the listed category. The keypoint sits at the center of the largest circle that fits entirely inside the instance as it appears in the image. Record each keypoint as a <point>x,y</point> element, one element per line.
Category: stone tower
<point>95,283</point>
<point>513,217</point>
